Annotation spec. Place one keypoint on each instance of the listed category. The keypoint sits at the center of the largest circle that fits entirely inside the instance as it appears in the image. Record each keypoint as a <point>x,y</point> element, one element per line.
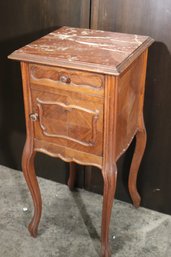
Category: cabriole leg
<point>141,138</point>
<point>30,177</point>
<point>110,177</point>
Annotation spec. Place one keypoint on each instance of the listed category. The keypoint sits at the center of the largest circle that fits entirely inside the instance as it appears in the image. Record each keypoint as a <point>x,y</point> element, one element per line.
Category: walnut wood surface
<point>29,154</point>
<point>141,136</point>
<point>84,117</point>
<point>48,75</point>
<point>130,91</point>
<point>94,50</point>
<point>141,139</point>
<point>67,154</point>
<point>109,169</point>
<point>74,121</point>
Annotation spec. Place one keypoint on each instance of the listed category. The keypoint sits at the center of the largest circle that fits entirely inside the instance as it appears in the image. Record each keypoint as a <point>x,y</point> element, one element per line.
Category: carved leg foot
<point>141,139</point>
<point>110,177</point>
<point>72,176</point>
<point>30,177</point>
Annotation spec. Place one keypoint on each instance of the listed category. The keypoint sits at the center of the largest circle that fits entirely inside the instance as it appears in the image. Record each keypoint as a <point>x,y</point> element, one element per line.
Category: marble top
<point>85,49</point>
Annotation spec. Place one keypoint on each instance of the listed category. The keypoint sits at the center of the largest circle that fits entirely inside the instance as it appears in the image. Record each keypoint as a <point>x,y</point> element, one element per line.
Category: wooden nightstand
<point>83,96</point>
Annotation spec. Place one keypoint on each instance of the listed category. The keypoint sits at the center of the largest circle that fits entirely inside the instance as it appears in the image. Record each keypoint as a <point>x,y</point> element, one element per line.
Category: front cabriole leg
<point>110,176</point>
<point>109,169</point>
<point>30,177</point>
<point>29,152</point>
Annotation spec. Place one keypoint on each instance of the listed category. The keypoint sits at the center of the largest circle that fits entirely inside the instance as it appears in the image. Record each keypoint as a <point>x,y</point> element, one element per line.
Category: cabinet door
<point>68,120</point>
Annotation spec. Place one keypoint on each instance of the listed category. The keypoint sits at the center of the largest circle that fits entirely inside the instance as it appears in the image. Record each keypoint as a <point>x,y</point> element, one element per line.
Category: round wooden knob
<point>65,79</point>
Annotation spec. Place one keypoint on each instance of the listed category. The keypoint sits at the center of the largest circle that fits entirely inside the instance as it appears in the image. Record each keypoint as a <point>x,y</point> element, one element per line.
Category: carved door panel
<point>68,121</point>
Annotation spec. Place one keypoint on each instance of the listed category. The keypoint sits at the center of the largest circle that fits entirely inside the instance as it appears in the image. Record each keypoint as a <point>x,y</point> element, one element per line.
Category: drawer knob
<point>65,79</point>
<point>33,116</point>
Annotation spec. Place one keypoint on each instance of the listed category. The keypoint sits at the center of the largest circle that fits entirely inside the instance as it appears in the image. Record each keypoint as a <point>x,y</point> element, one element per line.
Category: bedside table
<point>83,95</point>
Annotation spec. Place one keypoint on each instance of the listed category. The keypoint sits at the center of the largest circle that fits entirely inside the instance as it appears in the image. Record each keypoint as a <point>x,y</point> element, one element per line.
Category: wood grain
<point>29,154</point>
<point>109,169</point>
<point>67,109</point>
<point>76,81</point>
<point>69,121</point>
<point>130,91</point>
<point>67,154</point>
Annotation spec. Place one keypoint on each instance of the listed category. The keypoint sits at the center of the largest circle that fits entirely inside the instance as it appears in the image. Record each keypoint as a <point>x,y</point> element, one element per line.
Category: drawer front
<point>70,80</point>
<point>68,120</point>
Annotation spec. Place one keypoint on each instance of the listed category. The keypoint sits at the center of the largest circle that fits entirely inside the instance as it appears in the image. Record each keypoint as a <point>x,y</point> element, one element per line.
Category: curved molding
<point>67,159</point>
<point>38,73</point>
<point>95,116</point>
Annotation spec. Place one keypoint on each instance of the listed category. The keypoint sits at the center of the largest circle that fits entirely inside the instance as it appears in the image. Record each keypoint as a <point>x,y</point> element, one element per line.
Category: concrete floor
<point>70,224</point>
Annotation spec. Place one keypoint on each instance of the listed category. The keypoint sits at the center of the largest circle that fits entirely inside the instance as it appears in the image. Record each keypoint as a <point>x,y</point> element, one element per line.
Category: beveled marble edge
<point>92,67</point>
<point>121,67</point>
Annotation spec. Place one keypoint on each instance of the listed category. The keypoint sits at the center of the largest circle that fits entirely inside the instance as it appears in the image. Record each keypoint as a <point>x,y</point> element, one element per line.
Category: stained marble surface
<point>96,50</point>
<point>70,225</point>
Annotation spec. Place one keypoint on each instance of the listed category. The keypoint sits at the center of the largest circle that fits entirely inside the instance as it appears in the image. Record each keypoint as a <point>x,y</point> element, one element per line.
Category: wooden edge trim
<point>54,150</point>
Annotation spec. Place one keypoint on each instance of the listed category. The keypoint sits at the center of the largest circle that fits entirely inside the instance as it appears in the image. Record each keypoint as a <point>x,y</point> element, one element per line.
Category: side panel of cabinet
<point>129,103</point>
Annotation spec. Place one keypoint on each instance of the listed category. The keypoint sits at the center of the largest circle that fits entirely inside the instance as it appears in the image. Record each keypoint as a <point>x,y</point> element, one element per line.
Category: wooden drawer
<point>67,79</point>
<point>68,119</point>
